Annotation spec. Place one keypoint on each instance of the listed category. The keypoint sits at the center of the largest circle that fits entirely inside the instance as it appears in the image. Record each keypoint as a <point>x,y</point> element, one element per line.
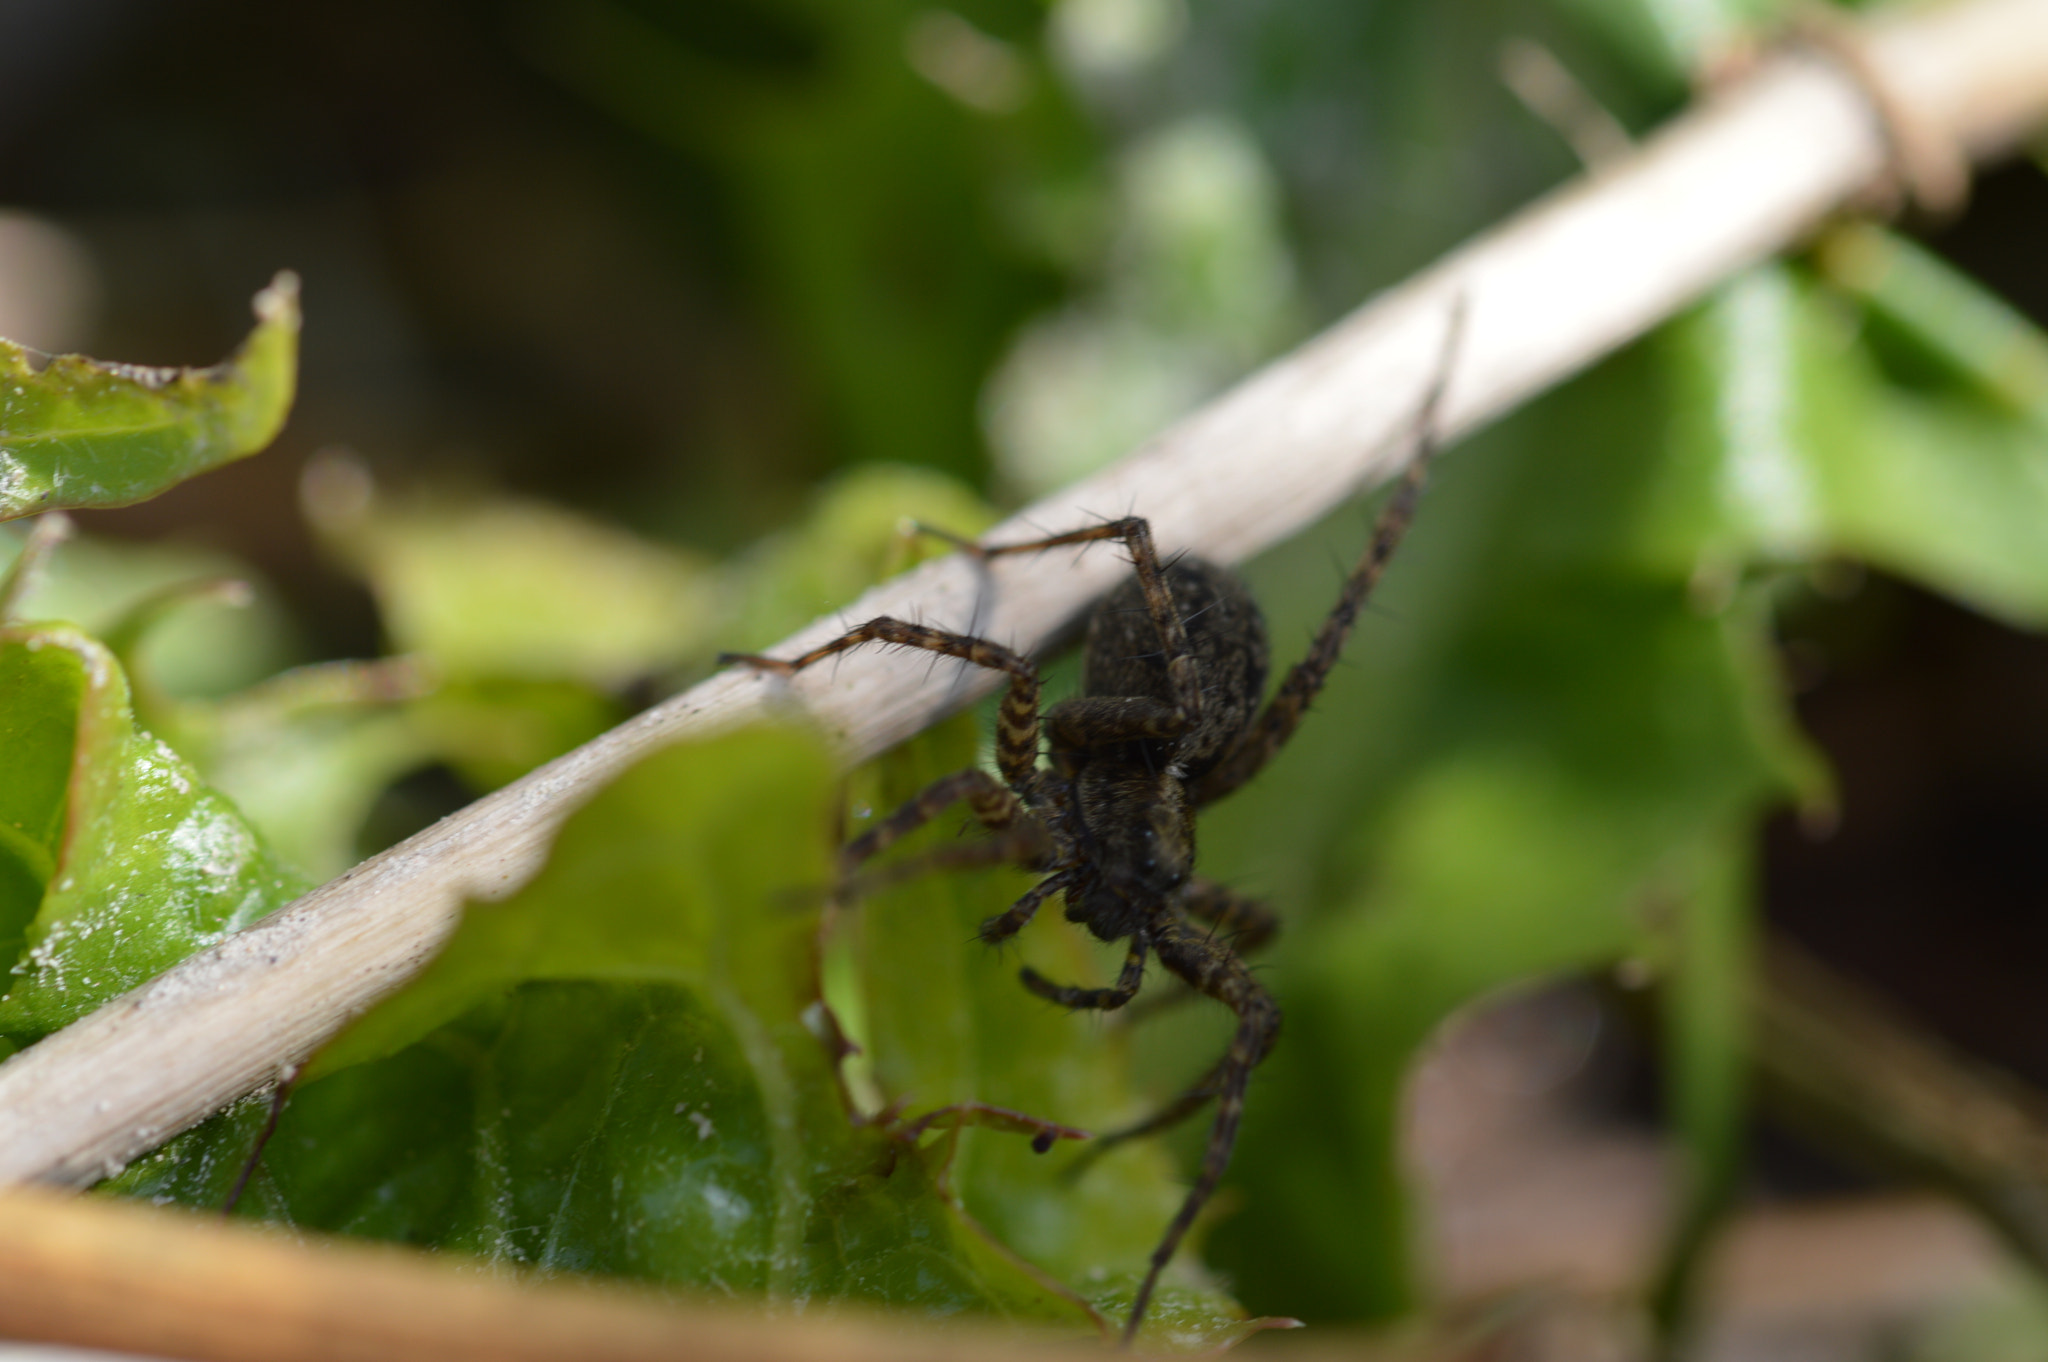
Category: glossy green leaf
<point>671,873</point>
<point>40,689</point>
<point>641,1130</point>
<point>78,432</point>
<point>116,860</point>
<point>625,1068</point>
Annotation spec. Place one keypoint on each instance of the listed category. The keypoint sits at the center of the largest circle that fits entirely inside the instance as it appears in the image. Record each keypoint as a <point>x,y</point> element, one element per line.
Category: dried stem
<point>1749,173</point>
<point>107,1275</point>
<point>1835,1061</point>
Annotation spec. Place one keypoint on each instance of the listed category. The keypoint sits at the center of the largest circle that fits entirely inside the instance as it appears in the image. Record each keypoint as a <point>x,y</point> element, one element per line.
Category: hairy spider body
<point>1174,668</point>
<point>1168,720</point>
<point>1132,796</point>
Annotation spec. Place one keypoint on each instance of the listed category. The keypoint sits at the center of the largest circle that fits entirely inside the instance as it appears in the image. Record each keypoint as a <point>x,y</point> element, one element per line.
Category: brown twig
<point>114,1275</point>
<point>1833,1060</point>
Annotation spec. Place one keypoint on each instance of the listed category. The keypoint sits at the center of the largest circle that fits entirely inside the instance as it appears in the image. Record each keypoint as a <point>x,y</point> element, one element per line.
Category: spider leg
<point>1183,681</point>
<point>1092,720</point>
<point>279,1095</point>
<point>991,802</point>
<point>1216,970</point>
<point>1166,1118</point>
<point>1010,921</point>
<point>1095,999</point>
<point>1247,923</point>
<point>1283,713</point>
<point>1024,846</point>
<point>1016,721</point>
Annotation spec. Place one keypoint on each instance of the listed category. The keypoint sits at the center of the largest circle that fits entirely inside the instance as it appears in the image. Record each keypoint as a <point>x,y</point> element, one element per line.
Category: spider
<point>1168,720</point>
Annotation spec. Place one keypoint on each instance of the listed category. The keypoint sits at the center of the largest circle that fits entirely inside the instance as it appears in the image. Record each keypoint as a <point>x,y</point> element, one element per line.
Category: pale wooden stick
<point>1749,173</point>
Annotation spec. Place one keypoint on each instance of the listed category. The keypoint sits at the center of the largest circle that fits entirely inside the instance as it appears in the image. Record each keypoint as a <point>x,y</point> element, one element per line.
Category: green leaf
<point>1905,424</point>
<point>1941,488</point>
<point>854,534</point>
<point>1955,326</point>
<point>308,753</point>
<point>116,860</point>
<point>672,873</point>
<point>78,432</point>
<point>625,1068</point>
<point>202,637</point>
<point>40,690</point>
<point>507,589</point>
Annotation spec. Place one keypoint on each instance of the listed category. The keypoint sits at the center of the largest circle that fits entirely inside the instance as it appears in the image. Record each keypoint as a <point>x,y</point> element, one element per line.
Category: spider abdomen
<point>1226,635</point>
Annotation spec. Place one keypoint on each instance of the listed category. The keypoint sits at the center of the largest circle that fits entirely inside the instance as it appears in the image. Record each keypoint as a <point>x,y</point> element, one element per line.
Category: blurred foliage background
<point>600,293</point>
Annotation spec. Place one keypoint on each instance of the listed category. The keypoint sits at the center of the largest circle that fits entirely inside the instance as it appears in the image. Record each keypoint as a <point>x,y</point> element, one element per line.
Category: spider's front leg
<point>1183,681</point>
<point>996,805</point>
<point>1020,838</point>
<point>1016,721</point>
<point>1283,713</point>
<point>1004,925</point>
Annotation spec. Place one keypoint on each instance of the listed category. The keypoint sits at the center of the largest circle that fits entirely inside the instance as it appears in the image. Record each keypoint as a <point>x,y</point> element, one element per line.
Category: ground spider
<point>1174,667</point>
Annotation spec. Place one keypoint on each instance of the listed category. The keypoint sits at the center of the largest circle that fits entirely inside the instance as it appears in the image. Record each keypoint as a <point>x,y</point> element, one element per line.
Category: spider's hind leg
<point>1214,969</point>
<point>1236,924</point>
<point>1166,1118</point>
<point>1247,923</point>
